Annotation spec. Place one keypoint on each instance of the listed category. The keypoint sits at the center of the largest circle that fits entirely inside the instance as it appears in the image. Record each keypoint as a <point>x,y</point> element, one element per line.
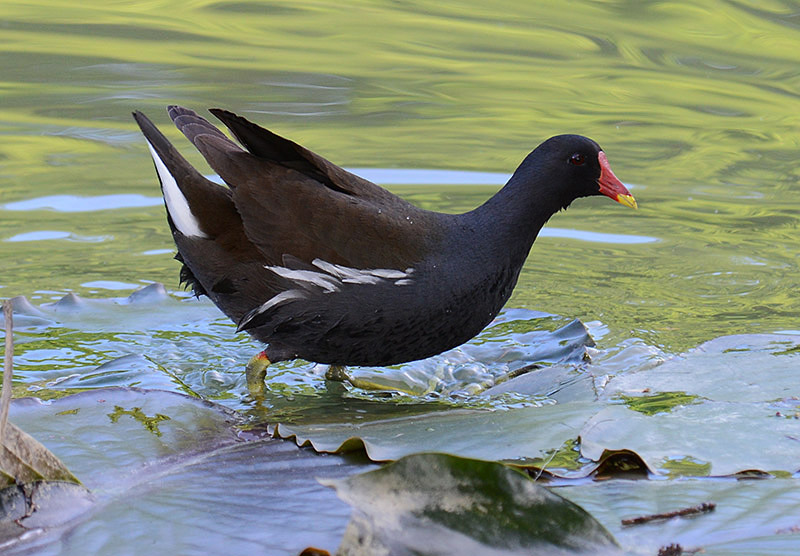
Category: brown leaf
<point>23,459</point>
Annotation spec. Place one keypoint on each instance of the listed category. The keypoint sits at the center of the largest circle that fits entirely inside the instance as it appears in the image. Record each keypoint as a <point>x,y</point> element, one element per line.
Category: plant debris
<point>705,507</point>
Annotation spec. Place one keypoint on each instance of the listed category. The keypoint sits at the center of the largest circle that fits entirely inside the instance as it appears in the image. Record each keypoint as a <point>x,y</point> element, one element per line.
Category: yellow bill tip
<point>627,200</point>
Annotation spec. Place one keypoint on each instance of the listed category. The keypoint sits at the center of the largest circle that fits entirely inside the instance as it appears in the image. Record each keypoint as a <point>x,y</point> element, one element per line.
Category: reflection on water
<point>595,237</point>
<point>77,203</point>
<point>697,105</point>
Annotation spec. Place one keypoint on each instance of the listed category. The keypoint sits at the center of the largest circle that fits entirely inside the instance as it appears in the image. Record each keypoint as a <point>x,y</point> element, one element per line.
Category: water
<point>694,104</point>
<point>697,106</point>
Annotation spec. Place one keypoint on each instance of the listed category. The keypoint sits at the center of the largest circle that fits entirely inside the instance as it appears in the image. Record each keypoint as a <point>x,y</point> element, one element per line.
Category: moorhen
<point>326,266</point>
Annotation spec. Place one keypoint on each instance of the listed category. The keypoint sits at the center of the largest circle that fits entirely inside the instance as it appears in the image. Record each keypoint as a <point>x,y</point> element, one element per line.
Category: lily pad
<point>720,438</point>
<point>516,342</point>
<point>155,341</point>
<point>438,504</point>
<point>702,413</point>
<point>182,467</point>
<point>742,368</point>
<point>754,517</point>
<point>712,410</point>
<point>528,433</point>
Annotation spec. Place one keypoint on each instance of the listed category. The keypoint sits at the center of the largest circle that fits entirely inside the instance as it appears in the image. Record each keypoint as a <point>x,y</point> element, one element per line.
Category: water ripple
<point>78,203</point>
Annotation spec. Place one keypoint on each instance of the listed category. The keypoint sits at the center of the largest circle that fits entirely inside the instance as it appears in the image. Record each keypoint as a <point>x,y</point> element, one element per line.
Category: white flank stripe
<point>334,269</point>
<point>363,279</point>
<point>388,273</point>
<point>177,205</point>
<point>327,283</point>
<point>282,297</point>
<point>350,275</point>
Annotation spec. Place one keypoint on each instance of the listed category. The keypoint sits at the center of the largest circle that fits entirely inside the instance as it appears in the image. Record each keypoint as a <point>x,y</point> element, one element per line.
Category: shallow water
<point>697,106</point>
<point>693,103</point>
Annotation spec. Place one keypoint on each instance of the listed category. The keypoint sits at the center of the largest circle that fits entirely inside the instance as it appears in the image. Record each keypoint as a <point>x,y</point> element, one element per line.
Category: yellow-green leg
<point>337,373</point>
<point>255,373</point>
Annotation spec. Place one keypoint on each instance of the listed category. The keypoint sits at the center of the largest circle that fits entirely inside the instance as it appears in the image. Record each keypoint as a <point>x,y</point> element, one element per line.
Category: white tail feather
<point>177,205</point>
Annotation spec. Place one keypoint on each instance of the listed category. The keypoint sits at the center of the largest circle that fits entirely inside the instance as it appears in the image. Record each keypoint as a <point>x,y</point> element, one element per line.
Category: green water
<point>696,105</point>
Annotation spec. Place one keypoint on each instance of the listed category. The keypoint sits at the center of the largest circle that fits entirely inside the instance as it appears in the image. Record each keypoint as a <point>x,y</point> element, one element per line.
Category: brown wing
<point>294,202</point>
<point>268,146</point>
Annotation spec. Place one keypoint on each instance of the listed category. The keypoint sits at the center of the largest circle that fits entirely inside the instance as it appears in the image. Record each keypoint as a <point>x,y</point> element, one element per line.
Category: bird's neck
<point>508,223</point>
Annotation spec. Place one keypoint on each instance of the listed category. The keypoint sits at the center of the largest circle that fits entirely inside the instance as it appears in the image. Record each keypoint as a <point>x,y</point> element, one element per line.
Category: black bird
<point>326,266</point>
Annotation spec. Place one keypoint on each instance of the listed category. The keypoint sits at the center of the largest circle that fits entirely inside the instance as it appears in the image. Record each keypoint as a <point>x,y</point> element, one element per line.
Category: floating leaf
<point>516,342</point>
<point>430,504</point>
<point>721,438</point>
<point>199,484</point>
<point>527,433</point>
<point>712,413</point>
<point>751,368</point>
<point>23,460</point>
<point>750,517</point>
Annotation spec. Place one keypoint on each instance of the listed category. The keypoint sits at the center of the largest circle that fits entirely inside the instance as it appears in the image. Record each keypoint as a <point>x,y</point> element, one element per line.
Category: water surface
<point>696,104</point>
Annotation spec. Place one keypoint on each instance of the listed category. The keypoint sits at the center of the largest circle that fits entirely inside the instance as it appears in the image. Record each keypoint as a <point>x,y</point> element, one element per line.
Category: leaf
<point>23,460</point>
<point>192,484</point>
<point>751,516</point>
<point>528,433</point>
<point>725,407</point>
<point>517,340</point>
<point>430,504</point>
<point>741,368</point>
<point>720,438</point>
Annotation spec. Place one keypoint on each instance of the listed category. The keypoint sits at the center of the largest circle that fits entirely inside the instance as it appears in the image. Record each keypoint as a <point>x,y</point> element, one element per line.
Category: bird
<point>322,265</point>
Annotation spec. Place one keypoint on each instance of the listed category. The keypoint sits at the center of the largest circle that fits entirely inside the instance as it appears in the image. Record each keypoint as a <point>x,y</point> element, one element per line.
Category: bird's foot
<point>255,373</point>
<point>337,373</point>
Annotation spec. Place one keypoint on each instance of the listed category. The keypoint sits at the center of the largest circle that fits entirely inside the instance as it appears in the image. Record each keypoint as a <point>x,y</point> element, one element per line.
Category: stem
<point>694,510</point>
<point>5,398</point>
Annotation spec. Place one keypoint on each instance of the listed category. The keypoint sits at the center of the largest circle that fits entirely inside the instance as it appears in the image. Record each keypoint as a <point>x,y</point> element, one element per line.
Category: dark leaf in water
<point>428,504</point>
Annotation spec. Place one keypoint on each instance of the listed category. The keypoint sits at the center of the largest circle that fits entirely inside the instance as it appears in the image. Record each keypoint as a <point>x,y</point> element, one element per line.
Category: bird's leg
<point>337,373</point>
<point>255,373</point>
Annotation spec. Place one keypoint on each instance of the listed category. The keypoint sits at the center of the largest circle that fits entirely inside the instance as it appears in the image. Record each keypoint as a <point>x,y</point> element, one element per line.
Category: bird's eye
<point>577,159</point>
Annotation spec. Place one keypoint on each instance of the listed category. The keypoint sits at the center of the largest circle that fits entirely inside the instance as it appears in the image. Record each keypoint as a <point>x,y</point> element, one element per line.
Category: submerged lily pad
<point>155,341</point>
<point>528,433</point>
<point>728,437</point>
<point>742,368</point>
<point>516,342</point>
<point>718,413</point>
<point>438,504</point>
<point>751,516</point>
<point>182,467</point>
